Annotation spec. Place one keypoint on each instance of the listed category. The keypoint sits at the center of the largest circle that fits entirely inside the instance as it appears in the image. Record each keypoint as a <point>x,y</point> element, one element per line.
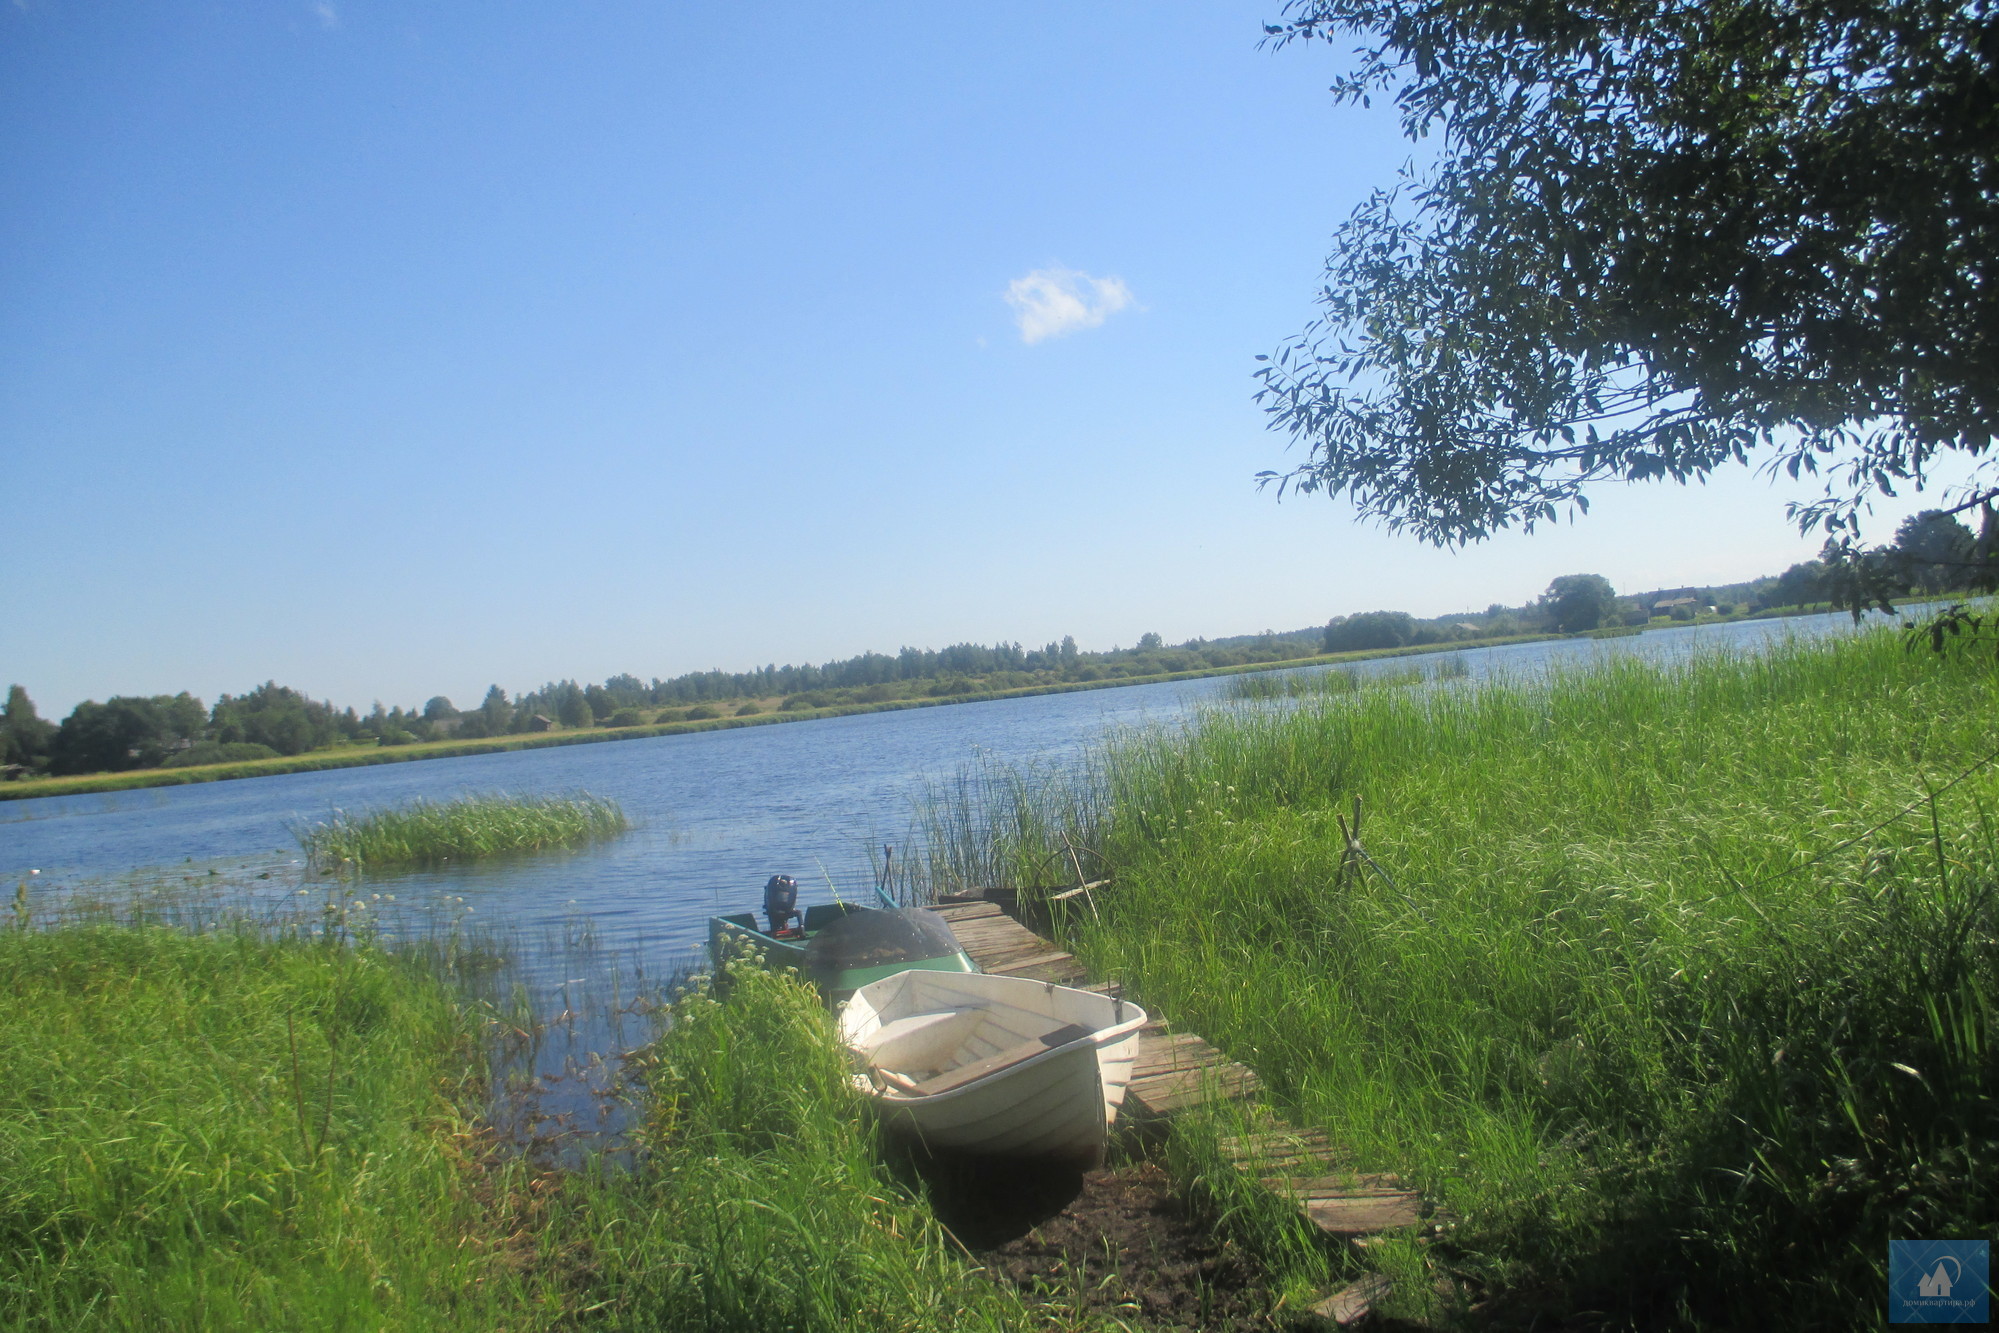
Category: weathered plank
<point>1161,1051</point>
<point>1355,1302</point>
<point>1178,1089</point>
<point>1271,1143</point>
<point>1354,1184</point>
<point>970,912</point>
<point>1360,1215</point>
<point>1002,946</point>
<point>1058,968</point>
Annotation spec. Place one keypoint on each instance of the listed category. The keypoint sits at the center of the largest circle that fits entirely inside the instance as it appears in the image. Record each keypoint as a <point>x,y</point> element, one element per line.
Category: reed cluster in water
<point>1341,680</point>
<point>432,832</point>
<point>1650,973</point>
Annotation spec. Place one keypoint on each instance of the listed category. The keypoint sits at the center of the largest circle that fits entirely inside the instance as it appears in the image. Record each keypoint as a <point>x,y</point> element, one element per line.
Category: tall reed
<point>430,832</point>
<point>1670,982</point>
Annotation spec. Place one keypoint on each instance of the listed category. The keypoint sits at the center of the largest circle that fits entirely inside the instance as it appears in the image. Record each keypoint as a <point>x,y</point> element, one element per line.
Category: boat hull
<point>1055,1103</point>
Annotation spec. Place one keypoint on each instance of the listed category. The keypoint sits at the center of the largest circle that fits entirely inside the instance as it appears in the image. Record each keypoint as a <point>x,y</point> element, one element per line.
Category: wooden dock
<point>1176,1071</point>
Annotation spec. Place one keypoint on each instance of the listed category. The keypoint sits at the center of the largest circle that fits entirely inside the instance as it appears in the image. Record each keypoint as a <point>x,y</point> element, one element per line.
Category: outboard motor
<point>781,901</point>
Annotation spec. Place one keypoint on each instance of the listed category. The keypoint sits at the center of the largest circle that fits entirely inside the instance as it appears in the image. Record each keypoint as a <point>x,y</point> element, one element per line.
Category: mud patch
<point>1116,1241</point>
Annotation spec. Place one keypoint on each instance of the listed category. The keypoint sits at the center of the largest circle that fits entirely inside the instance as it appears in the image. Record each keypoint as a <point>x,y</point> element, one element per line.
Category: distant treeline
<point>1932,551</point>
<point>167,730</point>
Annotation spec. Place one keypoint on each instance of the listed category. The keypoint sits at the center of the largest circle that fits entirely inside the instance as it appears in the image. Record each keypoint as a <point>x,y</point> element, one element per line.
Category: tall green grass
<point>226,1130</point>
<point>761,1201</point>
<point>1672,983</point>
<point>278,1124</point>
<point>430,832</point>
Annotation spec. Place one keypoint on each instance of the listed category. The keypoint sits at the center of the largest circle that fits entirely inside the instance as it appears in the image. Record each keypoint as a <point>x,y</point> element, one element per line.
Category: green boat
<point>844,946</point>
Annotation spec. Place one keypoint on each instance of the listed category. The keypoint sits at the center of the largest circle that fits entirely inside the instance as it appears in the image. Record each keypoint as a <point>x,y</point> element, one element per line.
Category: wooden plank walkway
<point>1178,1070</point>
<point>1173,1071</point>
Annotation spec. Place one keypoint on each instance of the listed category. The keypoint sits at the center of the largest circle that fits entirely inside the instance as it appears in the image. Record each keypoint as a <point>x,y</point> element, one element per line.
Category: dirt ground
<point>1115,1241</point>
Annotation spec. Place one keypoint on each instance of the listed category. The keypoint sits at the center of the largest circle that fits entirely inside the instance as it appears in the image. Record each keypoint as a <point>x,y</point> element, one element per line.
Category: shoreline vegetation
<point>1644,973</point>
<point>224,1121</point>
<point>364,755</point>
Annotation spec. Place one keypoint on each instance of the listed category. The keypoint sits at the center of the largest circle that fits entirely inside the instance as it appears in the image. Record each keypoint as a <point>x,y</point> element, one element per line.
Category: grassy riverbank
<point>764,1204</point>
<point>1672,985</point>
<point>432,832</point>
<point>235,1128</point>
<point>226,1130</point>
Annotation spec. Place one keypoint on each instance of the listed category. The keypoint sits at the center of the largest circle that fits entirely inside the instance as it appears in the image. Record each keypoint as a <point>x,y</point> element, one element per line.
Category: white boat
<point>1006,1066</point>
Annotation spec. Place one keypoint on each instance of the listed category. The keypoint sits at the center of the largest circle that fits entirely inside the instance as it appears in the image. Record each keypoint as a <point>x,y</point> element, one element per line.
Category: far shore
<point>358,756</point>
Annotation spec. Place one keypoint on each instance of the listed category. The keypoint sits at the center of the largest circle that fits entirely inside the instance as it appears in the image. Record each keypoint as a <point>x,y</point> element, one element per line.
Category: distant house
<point>541,722</point>
<point>1680,606</point>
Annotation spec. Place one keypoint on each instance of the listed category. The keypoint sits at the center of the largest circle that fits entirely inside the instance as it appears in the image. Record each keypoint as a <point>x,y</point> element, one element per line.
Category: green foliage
<point>760,1202</point>
<point>216,752</point>
<point>427,832</point>
<point>701,713</point>
<point>25,738</point>
<point>1664,970</point>
<point>1577,602</point>
<point>1936,551</point>
<point>277,716</point>
<point>125,732</point>
<point>1369,629</point>
<point>625,717</point>
<point>750,709</point>
<point>1800,585</point>
<point>1655,239</point>
<point>573,710</point>
<point>495,712</point>
<point>219,1131</point>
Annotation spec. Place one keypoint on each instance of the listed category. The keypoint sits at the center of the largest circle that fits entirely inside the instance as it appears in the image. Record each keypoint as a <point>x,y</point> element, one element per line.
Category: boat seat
<point>974,1070</point>
<point>821,915</point>
<point>744,919</point>
<point>898,1030</point>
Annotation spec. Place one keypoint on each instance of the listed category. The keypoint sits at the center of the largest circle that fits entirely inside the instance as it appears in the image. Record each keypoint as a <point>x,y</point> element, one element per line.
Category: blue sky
<point>389,350</point>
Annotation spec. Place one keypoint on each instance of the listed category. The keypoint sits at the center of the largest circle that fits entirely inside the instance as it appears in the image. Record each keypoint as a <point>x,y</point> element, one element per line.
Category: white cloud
<point>1050,302</point>
<point>329,17</point>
